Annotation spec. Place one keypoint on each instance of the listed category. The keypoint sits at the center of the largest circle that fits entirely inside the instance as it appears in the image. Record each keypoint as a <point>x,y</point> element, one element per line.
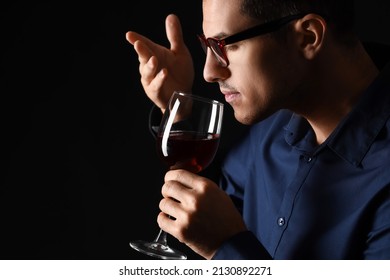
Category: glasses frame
<point>217,46</point>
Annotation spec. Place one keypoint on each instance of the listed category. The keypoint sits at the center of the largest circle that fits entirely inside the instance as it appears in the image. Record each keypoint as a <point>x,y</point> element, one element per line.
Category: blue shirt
<point>304,201</point>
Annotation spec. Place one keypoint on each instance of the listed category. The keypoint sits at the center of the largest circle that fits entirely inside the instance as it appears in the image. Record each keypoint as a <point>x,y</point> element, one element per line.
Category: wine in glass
<point>187,138</point>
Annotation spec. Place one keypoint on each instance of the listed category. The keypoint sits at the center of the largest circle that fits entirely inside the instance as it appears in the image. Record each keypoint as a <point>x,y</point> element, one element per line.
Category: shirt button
<point>281,221</point>
<point>309,159</point>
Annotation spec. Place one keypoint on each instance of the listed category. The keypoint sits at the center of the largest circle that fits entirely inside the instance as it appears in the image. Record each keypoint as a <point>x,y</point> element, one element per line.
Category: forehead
<point>223,17</point>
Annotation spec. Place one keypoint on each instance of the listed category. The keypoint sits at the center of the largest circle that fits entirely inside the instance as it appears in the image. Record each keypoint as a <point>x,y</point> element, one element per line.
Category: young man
<point>310,179</point>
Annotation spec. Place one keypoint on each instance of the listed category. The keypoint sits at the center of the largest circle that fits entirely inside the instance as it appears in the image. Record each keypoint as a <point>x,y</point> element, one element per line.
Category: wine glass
<point>187,138</point>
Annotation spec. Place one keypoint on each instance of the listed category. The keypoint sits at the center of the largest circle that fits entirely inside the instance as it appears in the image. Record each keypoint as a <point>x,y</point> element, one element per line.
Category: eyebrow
<point>219,35</point>
<point>223,35</point>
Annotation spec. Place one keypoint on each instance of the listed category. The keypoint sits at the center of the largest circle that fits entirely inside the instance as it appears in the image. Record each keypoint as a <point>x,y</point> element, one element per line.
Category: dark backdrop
<point>80,175</point>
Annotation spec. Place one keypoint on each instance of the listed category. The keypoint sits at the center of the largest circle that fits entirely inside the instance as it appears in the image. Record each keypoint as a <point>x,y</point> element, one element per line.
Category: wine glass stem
<point>161,238</point>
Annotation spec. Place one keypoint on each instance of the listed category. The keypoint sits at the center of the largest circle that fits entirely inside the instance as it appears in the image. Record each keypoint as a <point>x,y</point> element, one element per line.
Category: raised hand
<point>163,69</point>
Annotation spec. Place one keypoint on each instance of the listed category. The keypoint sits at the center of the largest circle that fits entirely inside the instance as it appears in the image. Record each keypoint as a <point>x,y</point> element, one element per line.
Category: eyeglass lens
<point>217,50</point>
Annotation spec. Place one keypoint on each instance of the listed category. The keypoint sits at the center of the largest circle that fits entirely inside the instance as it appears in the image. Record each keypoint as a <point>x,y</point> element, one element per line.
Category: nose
<point>213,71</point>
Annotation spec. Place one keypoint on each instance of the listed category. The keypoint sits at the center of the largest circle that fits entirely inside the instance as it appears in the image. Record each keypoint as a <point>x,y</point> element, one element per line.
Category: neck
<point>339,82</point>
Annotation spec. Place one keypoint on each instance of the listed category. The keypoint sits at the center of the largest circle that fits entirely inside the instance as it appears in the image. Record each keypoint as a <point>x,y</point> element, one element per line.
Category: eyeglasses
<point>218,45</point>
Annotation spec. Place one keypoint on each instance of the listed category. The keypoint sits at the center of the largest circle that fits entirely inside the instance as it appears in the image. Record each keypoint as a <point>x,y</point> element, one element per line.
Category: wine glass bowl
<point>189,134</point>
<point>187,138</point>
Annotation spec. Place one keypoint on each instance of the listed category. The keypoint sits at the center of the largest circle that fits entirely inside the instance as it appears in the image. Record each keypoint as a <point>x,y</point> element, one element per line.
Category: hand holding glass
<point>187,138</point>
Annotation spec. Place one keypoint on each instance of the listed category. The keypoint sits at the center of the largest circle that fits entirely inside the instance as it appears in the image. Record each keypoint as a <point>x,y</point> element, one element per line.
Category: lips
<point>230,96</point>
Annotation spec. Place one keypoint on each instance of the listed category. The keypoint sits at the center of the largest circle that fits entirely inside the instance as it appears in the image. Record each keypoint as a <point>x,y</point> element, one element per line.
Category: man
<point>310,179</point>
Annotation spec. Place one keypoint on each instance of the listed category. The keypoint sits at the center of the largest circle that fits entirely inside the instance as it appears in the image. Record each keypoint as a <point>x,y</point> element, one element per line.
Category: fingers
<point>185,187</point>
<point>153,85</point>
<point>188,179</point>
<point>163,69</point>
<point>178,197</point>
<point>168,224</point>
<point>175,191</point>
<point>177,184</point>
<point>133,37</point>
<point>172,208</point>
<point>174,32</point>
<point>143,52</point>
<point>152,79</point>
<point>142,45</point>
<point>172,218</point>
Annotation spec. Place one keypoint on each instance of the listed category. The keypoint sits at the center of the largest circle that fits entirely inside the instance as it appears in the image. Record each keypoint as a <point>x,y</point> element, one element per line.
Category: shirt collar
<point>353,137</point>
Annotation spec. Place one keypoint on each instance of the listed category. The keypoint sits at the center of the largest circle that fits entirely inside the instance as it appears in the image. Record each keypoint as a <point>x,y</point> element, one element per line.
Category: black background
<point>80,174</point>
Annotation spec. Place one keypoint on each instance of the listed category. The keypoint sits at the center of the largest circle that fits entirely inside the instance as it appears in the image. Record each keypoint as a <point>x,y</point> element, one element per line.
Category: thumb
<point>174,32</point>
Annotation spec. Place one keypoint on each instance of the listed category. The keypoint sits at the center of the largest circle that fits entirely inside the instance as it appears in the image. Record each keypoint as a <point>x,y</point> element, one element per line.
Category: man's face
<point>262,72</point>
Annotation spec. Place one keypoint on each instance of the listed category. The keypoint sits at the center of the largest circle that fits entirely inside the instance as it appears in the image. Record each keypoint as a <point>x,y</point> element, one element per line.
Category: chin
<point>244,119</point>
<point>248,119</point>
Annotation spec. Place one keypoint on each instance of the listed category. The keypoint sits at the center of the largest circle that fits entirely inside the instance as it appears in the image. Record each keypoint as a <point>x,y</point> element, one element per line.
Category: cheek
<point>254,95</point>
<point>265,81</point>
<point>277,68</point>
<point>261,73</point>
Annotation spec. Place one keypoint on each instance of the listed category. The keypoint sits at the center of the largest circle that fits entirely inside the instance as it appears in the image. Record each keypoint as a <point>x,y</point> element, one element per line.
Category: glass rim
<point>198,97</point>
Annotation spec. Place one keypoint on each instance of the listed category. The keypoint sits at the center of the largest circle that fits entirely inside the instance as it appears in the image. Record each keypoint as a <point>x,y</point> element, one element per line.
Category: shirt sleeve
<point>378,242</point>
<point>235,172</point>
<point>242,246</point>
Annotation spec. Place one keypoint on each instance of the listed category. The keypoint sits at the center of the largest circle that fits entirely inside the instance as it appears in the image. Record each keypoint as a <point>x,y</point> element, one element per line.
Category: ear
<point>310,31</point>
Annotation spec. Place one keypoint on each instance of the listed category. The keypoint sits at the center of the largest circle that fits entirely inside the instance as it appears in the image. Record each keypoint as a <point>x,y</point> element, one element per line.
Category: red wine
<point>187,150</point>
